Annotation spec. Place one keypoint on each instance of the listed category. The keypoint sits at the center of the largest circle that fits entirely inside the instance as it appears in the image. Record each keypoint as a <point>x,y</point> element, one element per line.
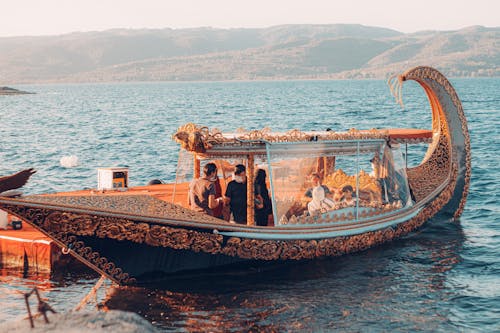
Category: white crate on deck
<point>112,178</point>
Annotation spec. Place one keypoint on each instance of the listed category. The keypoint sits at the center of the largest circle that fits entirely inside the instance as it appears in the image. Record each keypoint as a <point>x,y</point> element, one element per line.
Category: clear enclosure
<point>323,182</point>
<point>315,182</point>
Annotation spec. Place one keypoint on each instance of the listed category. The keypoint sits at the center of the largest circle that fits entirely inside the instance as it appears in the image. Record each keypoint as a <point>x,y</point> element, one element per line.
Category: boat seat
<point>369,187</point>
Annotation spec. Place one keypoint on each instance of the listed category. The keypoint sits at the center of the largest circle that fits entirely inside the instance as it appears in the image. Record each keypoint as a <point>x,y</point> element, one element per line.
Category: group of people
<point>323,199</point>
<point>205,195</point>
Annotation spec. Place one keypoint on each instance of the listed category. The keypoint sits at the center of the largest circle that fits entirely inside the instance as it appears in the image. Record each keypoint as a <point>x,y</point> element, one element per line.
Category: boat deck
<point>162,192</point>
<point>144,201</point>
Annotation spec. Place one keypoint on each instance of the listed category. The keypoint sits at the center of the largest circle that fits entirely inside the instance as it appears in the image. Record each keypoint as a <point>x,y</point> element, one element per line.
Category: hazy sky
<point>49,17</point>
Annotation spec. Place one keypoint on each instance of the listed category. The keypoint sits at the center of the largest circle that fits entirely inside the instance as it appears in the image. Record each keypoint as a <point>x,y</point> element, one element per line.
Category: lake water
<point>445,277</point>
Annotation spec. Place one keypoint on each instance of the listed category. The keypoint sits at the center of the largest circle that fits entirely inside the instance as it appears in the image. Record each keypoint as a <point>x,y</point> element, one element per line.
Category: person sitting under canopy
<point>319,202</point>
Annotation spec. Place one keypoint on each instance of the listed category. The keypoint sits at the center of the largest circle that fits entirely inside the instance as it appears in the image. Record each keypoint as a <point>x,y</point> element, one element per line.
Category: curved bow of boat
<point>448,159</point>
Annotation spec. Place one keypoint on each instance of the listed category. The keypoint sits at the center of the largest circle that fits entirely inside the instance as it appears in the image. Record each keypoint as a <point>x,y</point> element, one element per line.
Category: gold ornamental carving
<point>433,77</point>
<point>199,139</point>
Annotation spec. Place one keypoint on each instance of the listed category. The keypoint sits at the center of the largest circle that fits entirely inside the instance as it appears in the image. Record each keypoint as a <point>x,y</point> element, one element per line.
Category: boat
<point>141,234</point>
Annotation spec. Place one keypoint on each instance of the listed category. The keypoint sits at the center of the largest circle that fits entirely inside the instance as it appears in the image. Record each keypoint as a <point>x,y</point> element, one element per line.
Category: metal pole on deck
<point>406,155</point>
<point>197,166</point>
<point>176,175</point>
<point>357,180</point>
<point>271,181</point>
<point>250,190</point>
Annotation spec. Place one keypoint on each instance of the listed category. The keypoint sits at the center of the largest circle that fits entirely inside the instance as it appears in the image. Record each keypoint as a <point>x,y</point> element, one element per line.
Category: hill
<point>280,52</point>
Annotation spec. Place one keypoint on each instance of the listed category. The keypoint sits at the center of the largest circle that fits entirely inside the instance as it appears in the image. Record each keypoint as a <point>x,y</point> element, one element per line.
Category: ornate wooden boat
<point>143,233</point>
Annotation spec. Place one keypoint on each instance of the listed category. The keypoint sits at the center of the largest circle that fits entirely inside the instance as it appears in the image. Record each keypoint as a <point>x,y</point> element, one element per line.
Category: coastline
<point>12,91</point>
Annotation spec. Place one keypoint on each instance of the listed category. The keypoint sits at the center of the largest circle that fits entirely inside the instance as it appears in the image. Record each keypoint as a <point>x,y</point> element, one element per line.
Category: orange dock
<point>30,250</point>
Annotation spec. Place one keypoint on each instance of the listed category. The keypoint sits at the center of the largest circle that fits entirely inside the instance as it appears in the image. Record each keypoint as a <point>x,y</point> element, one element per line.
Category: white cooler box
<point>112,178</point>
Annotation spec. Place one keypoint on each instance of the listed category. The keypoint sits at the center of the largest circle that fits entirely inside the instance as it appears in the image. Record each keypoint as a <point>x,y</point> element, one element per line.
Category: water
<point>446,277</point>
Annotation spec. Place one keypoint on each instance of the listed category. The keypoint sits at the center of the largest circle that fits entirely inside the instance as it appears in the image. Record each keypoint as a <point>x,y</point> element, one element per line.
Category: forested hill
<point>279,52</point>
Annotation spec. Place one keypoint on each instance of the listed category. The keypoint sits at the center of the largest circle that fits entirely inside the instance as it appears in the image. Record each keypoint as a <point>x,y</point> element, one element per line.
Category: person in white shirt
<point>320,203</point>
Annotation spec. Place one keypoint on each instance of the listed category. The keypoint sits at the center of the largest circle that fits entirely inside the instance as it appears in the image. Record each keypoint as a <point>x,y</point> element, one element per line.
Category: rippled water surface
<point>446,277</point>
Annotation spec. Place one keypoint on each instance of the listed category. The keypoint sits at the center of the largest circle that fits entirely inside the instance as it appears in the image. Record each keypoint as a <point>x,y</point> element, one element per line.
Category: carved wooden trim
<point>53,224</point>
<point>199,139</point>
<point>440,123</point>
<point>424,178</point>
<point>65,227</point>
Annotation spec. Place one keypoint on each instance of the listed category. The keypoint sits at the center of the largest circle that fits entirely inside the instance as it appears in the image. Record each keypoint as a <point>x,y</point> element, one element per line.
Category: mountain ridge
<point>336,51</point>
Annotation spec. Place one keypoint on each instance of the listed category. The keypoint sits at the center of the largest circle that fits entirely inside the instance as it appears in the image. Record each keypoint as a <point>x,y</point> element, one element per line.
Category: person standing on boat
<point>202,191</point>
<point>263,204</point>
<point>236,195</point>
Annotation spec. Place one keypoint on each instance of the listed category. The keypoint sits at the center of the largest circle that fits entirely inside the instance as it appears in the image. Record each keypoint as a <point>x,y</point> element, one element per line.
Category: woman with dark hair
<point>264,209</point>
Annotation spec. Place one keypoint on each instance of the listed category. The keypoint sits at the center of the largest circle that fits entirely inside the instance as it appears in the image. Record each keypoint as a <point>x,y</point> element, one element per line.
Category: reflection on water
<point>61,290</point>
<point>396,286</point>
<point>13,285</point>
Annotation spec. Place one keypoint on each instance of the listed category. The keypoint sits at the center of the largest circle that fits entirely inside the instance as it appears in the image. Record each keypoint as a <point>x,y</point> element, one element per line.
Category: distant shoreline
<point>70,82</point>
<point>12,91</point>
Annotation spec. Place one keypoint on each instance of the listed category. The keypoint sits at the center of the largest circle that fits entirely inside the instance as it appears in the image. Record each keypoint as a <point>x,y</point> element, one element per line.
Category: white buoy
<point>69,161</point>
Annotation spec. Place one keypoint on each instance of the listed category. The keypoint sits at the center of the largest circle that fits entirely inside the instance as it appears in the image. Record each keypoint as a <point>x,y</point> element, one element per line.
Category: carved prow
<point>448,157</point>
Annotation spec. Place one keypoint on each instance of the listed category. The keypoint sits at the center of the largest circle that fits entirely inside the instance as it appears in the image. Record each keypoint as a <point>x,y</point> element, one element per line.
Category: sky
<point>54,17</point>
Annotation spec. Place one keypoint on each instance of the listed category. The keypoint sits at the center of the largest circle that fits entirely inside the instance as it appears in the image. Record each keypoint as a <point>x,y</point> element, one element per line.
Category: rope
<point>92,293</point>
<point>395,83</point>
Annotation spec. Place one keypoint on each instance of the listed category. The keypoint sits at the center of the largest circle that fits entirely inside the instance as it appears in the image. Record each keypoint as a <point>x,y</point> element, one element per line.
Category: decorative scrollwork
<point>437,85</point>
<point>197,138</point>
<point>62,227</point>
<point>296,135</point>
<point>424,178</point>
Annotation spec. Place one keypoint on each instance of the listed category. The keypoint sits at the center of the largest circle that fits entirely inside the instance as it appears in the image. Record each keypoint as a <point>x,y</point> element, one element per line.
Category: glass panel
<point>183,176</point>
<point>331,183</point>
<point>393,177</point>
<point>185,167</point>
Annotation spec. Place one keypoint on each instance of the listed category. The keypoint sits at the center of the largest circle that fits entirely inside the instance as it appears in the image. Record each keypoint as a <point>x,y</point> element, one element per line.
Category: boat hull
<point>131,250</point>
<point>146,263</point>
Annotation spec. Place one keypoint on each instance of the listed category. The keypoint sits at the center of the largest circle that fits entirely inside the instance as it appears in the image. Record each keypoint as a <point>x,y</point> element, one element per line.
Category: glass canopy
<point>332,182</point>
<point>316,182</point>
